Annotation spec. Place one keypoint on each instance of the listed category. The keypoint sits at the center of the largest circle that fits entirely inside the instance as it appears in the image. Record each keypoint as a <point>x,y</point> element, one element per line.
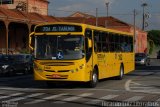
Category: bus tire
<point>121,73</point>
<point>94,79</point>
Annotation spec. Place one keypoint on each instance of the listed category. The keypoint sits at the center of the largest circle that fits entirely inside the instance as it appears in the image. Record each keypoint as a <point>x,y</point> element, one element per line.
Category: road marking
<point>127,85</point>
<point>11,95</point>
<point>46,98</point>
<point>74,98</point>
<point>146,88</point>
<point>134,98</point>
<point>158,99</point>
<point>108,97</point>
<point>2,93</point>
<point>136,87</point>
<point>147,91</point>
<point>25,97</point>
<point>60,89</point>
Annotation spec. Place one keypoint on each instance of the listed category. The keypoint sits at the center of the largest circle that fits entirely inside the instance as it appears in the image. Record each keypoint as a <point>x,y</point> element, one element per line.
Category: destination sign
<point>59,28</point>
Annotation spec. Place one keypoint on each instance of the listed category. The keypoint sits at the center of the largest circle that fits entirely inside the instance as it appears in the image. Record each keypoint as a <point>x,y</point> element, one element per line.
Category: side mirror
<point>31,41</point>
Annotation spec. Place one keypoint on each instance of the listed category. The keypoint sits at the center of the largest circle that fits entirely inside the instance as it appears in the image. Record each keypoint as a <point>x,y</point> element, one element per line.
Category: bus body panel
<point>62,70</point>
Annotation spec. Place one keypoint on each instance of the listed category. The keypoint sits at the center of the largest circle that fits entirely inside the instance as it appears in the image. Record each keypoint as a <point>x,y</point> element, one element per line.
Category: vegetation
<point>154,35</point>
<point>153,39</point>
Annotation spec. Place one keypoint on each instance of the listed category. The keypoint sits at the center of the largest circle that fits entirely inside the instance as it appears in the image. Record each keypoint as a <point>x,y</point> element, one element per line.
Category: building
<point>15,27</point>
<point>37,6</point>
<point>80,14</point>
<point>111,23</point>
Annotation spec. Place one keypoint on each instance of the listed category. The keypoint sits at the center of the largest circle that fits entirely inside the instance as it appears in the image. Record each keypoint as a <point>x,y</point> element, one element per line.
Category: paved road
<point>142,85</point>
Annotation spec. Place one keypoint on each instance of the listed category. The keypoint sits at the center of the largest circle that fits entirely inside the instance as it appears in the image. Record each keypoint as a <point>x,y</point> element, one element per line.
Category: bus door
<point>89,52</point>
<point>118,54</point>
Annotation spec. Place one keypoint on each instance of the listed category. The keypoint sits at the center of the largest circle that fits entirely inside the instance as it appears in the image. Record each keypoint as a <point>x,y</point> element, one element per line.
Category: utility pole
<point>96,16</point>
<point>135,36</point>
<point>143,20</point>
<point>107,5</point>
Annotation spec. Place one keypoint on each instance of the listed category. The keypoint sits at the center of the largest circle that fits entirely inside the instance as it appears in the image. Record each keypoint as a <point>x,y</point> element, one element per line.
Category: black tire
<point>121,73</point>
<point>94,79</point>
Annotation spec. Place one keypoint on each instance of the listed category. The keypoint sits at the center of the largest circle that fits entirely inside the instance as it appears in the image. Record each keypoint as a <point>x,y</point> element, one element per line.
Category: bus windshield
<point>59,47</point>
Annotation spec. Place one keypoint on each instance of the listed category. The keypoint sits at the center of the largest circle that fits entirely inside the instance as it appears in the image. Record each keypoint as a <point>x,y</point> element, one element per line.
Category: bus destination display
<point>59,28</point>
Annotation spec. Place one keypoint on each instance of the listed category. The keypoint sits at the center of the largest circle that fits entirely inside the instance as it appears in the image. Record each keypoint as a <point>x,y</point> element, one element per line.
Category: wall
<point>141,42</point>
<point>37,6</point>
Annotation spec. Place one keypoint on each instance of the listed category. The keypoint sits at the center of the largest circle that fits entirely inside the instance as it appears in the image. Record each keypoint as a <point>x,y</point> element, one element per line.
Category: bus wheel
<point>94,79</point>
<point>121,73</point>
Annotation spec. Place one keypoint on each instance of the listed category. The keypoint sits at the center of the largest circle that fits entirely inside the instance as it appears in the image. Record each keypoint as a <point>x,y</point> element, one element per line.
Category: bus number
<point>46,29</point>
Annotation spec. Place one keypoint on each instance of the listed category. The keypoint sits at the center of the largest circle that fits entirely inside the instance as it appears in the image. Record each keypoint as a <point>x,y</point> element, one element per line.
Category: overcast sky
<point>121,9</point>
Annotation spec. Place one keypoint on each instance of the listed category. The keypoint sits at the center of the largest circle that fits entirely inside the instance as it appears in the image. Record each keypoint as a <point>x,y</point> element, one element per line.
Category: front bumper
<point>61,71</point>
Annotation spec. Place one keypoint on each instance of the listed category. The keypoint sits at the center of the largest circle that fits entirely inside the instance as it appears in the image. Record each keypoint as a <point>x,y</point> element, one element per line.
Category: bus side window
<point>131,44</point>
<point>112,42</point>
<point>117,44</point>
<point>105,41</point>
<point>96,39</point>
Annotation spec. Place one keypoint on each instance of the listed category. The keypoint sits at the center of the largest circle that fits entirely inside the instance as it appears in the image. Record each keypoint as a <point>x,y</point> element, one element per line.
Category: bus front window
<point>63,47</point>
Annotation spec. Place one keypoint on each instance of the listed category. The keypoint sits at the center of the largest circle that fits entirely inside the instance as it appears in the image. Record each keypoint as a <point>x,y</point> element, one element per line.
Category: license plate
<point>56,76</point>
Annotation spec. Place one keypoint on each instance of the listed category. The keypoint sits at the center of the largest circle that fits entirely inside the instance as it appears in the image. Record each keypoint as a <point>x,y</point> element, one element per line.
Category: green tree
<point>154,35</point>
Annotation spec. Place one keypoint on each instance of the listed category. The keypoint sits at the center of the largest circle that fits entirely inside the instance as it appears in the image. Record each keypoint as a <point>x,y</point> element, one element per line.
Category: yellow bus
<point>77,52</point>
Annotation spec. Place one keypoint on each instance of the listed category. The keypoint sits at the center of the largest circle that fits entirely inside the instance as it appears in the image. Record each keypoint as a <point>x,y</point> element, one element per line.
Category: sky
<point>121,9</point>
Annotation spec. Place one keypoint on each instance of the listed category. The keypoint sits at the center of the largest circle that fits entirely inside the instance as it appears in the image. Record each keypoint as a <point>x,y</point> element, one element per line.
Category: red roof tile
<point>34,18</point>
<point>80,14</point>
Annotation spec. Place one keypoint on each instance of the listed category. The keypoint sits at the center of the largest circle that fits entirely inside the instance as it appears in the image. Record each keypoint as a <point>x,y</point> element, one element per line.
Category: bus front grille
<point>63,70</point>
<point>50,71</point>
<point>57,63</point>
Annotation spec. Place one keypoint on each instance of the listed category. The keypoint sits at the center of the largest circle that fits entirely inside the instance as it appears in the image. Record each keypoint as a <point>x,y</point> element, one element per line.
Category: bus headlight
<point>81,67</point>
<point>38,68</point>
<point>75,70</point>
<point>72,71</point>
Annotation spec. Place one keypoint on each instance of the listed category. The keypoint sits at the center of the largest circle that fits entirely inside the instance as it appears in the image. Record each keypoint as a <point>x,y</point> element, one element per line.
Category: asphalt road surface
<point>139,88</point>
